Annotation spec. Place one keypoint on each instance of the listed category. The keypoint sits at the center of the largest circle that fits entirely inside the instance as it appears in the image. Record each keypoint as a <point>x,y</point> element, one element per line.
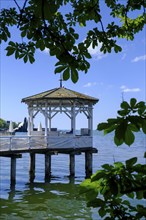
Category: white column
<point>90,119</point>
<point>71,118</point>
<point>89,122</point>
<point>28,127</point>
<point>30,111</point>
<point>49,118</point>
<point>31,123</point>
<point>46,120</point>
<point>74,120</point>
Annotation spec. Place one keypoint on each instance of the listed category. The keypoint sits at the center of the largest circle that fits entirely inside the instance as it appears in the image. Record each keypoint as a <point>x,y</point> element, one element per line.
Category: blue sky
<point>109,77</point>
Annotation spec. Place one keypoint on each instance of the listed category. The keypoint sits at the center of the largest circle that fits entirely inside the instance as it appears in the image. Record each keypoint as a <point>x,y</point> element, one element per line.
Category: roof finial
<point>61,80</point>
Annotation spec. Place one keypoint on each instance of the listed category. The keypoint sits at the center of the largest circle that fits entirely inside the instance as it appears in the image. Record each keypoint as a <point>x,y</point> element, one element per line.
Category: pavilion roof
<point>60,93</point>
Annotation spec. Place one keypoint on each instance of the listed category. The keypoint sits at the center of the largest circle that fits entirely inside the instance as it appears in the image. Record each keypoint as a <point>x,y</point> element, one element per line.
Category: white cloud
<point>132,90</point>
<point>46,50</point>
<point>140,58</point>
<point>126,89</point>
<point>124,56</point>
<point>96,53</point>
<point>89,84</point>
<point>122,87</point>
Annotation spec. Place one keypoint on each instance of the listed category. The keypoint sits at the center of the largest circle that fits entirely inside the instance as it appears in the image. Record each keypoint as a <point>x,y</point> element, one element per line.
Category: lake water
<point>58,199</point>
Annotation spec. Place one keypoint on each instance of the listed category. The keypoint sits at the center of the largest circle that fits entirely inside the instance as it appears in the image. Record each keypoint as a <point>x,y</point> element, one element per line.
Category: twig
<point>21,11</point>
<point>17,5</point>
<point>24,4</point>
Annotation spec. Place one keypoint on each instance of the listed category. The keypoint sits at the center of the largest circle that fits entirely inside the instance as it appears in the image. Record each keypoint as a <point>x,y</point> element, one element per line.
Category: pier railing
<point>12,143</point>
<point>14,146</point>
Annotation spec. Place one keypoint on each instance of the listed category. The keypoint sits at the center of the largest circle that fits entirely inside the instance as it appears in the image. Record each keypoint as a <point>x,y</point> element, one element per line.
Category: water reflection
<point>45,201</point>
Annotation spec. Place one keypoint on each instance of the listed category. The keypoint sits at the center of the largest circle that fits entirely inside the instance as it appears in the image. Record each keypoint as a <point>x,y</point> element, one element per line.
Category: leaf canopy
<point>56,25</point>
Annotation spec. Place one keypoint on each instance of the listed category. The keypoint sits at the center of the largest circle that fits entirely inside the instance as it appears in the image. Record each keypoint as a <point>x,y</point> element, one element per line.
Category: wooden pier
<point>10,147</point>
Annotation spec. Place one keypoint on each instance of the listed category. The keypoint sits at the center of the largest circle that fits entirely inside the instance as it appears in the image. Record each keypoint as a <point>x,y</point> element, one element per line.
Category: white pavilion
<point>51,141</point>
<point>61,100</point>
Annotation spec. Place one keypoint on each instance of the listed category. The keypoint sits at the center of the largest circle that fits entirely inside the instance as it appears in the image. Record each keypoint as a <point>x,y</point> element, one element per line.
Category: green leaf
<point>113,186</point>
<point>144,126</point>
<point>17,56</point>
<point>107,167</point>
<point>91,195</point>
<point>23,33</point>
<point>31,59</point>
<point>135,120</point>
<point>125,105</point>
<point>58,63</point>
<point>139,194</point>
<point>66,74</point>
<point>133,127</point>
<point>131,162</point>
<point>81,47</point>
<point>133,102</point>
<point>98,175</point>
<point>117,48</point>
<point>102,212</point>
<point>10,51</point>
<point>25,59</point>
<point>123,112</point>
<point>117,141</point>
<point>20,56</point>
<point>84,185</point>
<point>121,129</point>
<point>74,75</point>
<point>130,195</point>
<point>119,164</point>
<point>141,209</point>
<point>110,129</point>
<point>12,43</point>
<point>87,55</point>
<point>30,35</point>
<point>97,203</point>
<point>112,120</point>
<point>42,45</point>
<point>140,104</point>
<point>129,137</point>
<point>126,202</point>
<point>4,36</point>
<point>60,69</point>
<point>81,24</point>
<point>102,126</point>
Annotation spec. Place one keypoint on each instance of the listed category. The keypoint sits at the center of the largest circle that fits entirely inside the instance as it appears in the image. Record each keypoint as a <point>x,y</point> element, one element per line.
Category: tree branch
<point>17,5</point>
<point>24,4</point>
<point>21,11</point>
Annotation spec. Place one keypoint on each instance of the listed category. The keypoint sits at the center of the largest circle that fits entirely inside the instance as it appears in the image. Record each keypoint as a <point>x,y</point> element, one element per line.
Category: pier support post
<point>72,164</point>
<point>47,166</point>
<point>88,163</point>
<point>13,171</point>
<point>32,167</point>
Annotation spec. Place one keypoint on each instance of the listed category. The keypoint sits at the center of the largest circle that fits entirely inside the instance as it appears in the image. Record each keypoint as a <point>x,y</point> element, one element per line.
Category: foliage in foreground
<point>56,25</point>
<point>116,189</point>
<point>3,124</point>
